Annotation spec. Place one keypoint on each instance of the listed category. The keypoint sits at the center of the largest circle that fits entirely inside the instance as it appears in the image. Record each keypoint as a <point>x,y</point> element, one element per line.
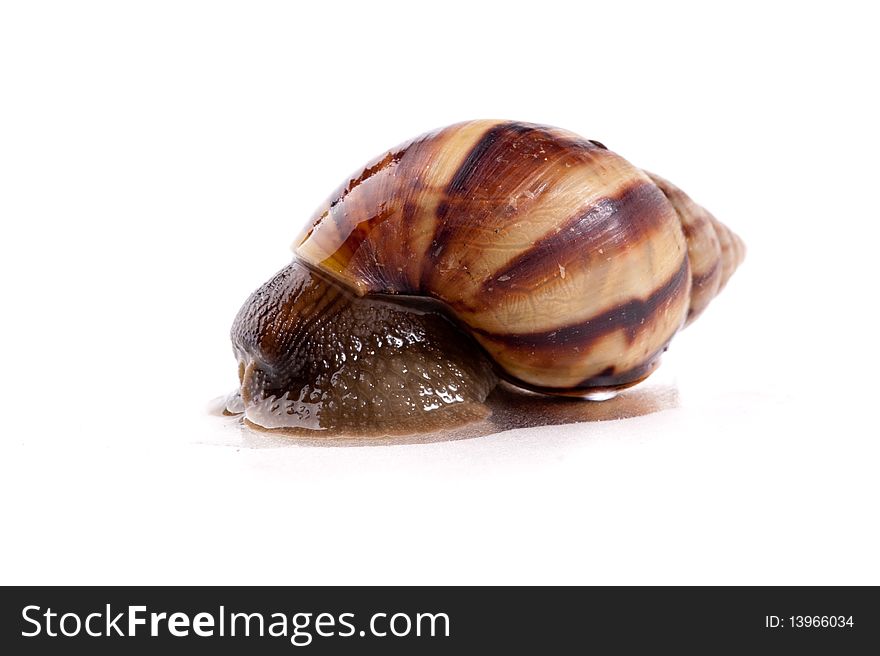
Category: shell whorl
<point>714,250</point>
<point>570,266</point>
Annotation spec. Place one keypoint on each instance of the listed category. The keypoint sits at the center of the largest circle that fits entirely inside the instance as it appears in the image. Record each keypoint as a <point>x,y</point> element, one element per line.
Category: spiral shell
<point>485,248</point>
<point>571,267</point>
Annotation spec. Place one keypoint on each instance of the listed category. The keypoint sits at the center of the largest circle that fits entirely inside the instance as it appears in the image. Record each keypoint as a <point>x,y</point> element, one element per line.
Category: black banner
<point>279,620</point>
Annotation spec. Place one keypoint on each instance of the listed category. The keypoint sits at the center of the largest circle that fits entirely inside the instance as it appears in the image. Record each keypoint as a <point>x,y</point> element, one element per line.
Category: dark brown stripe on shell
<point>609,379</point>
<point>627,219</point>
<point>497,140</point>
<point>700,280</point>
<point>605,381</point>
<point>386,190</point>
<point>629,317</point>
<point>499,164</point>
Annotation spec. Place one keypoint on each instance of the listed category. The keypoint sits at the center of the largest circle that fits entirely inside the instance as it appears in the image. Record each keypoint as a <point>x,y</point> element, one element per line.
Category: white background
<point>157,159</point>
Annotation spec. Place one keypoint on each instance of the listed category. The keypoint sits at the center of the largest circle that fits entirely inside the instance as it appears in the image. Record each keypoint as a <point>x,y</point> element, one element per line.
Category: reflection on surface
<point>512,408</point>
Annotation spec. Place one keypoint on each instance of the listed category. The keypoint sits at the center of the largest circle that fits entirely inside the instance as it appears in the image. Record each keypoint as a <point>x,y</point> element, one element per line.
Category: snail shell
<point>564,264</point>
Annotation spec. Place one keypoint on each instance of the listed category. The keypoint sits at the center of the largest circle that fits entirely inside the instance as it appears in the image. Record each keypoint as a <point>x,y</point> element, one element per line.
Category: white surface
<point>157,159</point>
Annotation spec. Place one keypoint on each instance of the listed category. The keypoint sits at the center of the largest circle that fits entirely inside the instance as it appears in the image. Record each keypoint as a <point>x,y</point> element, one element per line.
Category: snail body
<point>483,249</point>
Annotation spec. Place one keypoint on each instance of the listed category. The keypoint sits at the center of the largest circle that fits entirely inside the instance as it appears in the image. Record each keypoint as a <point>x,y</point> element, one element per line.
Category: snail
<point>479,252</point>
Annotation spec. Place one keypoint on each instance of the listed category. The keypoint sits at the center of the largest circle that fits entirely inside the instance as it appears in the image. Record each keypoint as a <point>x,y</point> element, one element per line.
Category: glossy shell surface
<point>571,267</point>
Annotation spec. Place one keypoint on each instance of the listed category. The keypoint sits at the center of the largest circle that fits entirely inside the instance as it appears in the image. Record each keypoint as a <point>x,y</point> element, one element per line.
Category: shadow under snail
<point>483,250</point>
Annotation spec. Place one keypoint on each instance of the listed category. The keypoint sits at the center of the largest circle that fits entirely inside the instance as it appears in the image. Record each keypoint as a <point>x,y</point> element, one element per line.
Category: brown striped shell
<point>571,268</point>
